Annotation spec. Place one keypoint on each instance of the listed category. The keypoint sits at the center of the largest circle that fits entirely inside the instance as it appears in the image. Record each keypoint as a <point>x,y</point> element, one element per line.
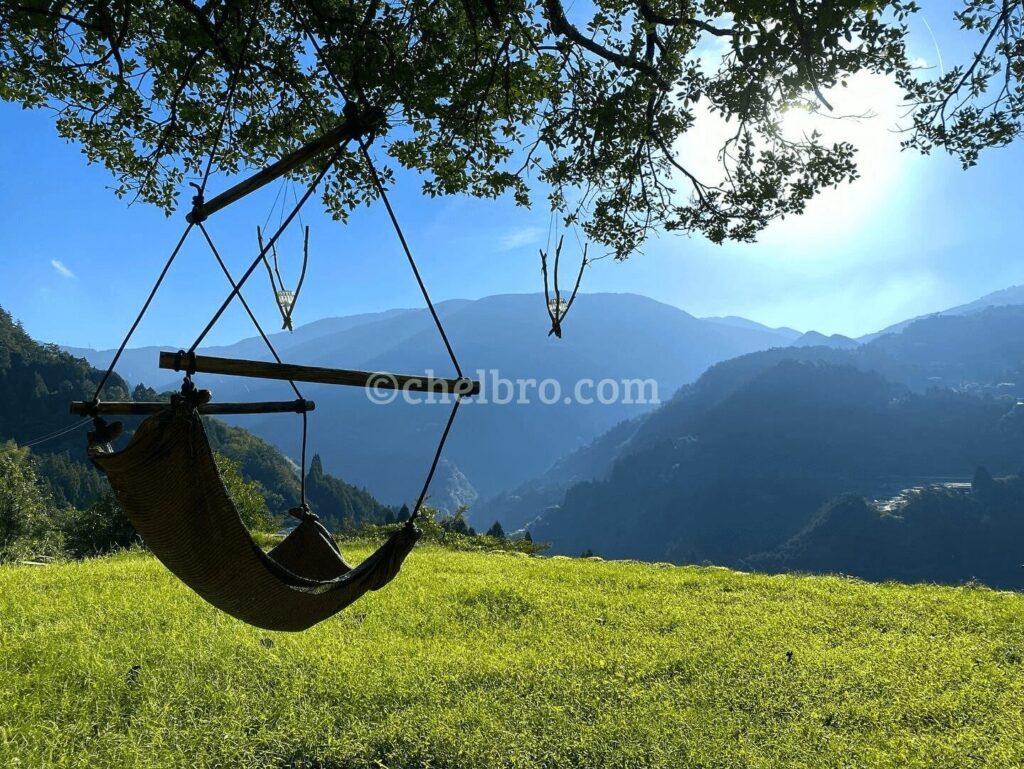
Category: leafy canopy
<point>487,97</point>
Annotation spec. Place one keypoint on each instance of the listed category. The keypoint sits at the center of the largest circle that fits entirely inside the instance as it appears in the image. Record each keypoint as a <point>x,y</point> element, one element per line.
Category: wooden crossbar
<point>286,371</point>
<point>346,131</point>
<point>142,408</point>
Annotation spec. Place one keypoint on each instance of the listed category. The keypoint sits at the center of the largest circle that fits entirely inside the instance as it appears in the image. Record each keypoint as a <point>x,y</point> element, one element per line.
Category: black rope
<point>245,304</point>
<point>228,99</point>
<point>409,256</point>
<point>437,458</point>
<point>142,313</point>
<point>196,202</point>
<point>310,189</point>
<point>220,130</point>
<point>302,475</point>
<point>273,351</point>
<point>383,195</point>
<point>412,263</point>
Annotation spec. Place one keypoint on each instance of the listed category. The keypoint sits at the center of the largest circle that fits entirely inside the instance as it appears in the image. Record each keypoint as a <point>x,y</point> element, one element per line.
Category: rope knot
<point>185,361</point>
<point>103,433</point>
<point>303,513</point>
<point>196,215</point>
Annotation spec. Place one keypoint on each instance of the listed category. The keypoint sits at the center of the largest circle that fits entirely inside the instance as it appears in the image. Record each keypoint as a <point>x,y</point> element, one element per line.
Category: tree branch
<point>654,17</point>
<point>560,26</point>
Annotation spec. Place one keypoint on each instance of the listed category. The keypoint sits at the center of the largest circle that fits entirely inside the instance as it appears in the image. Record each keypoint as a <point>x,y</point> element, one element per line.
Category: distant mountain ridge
<point>493,447</point>
<point>783,332</point>
<point>1014,295</point>
<point>816,339</point>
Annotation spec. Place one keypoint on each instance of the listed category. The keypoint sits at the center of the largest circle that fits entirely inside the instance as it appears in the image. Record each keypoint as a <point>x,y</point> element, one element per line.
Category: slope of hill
<point>37,382</point>
<point>979,350</point>
<point>936,533</point>
<point>478,661</point>
<point>523,505</point>
<point>494,446</point>
<point>1012,296</point>
<point>720,480</point>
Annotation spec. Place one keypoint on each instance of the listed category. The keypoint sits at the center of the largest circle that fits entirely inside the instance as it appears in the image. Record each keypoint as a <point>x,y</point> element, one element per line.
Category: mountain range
<point>975,348</point>
<point>493,447</point>
<point>762,435</point>
<point>749,466</point>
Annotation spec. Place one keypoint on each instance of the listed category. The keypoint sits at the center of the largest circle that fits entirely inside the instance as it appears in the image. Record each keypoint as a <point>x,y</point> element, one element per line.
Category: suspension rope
<point>310,189</point>
<point>245,304</point>
<point>383,194</point>
<point>220,127</point>
<point>408,255</point>
<point>437,458</point>
<point>273,351</point>
<point>228,98</point>
<point>142,312</point>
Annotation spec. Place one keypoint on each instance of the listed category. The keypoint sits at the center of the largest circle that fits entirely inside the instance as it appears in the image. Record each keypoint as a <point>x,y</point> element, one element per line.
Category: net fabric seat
<point>168,484</point>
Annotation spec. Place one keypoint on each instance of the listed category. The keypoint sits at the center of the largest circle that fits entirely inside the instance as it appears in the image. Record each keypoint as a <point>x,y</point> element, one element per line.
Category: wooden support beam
<point>143,408</point>
<point>374,379</point>
<point>352,128</point>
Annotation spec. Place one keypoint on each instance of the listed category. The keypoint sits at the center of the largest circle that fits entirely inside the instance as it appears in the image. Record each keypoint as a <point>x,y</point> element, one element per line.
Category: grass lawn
<point>496,660</point>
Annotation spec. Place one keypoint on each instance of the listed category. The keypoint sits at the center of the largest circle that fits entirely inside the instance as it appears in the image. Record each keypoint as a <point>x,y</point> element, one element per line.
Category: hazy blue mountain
<point>738,462</point>
<point>1014,295</point>
<point>138,365</point>
<point>816,339</point>
<point>493,447</point>
<point>784,333</point>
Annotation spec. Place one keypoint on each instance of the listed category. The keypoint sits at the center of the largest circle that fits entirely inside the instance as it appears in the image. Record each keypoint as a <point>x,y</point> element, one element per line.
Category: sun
<point>866,113</point>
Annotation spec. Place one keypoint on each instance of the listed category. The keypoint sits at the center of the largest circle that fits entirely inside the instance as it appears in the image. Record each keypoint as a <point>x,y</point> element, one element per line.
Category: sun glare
<point>866,114</point>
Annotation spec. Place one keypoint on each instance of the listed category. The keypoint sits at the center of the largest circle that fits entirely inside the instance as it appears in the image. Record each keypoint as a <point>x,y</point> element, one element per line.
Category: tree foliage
<point>488,97</point>
<point>249,496</point>
<point>341,505</point>
<point>100,528</point>
<point>22,498</point>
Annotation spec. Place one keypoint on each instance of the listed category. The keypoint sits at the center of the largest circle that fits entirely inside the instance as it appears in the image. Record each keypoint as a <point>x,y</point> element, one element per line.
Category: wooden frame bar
<point>348,130</point>
<point>143,408</point>
<point>375,379</point>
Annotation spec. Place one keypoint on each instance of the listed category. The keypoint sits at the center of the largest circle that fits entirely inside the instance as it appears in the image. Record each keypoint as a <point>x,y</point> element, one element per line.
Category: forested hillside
<point>37,382</point>
<point>740,463</point>
<point>934,533</point>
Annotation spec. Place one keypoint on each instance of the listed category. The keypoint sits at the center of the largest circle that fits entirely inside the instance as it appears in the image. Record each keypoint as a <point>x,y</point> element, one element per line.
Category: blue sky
<point>914,235</point>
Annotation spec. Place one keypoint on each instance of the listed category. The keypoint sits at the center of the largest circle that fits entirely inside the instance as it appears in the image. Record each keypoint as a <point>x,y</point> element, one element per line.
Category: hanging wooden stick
<point>558,308</point>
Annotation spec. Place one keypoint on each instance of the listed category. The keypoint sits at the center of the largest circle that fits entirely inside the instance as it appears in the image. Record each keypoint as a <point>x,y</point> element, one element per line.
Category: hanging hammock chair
<point>168,484</point>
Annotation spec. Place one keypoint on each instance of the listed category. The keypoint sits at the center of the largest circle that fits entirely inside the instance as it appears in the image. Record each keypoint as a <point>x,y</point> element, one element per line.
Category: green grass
<point>477,660</point>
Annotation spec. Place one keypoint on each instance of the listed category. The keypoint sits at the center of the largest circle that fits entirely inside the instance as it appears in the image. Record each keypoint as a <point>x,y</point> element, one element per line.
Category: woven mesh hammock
<point>167,482</point>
